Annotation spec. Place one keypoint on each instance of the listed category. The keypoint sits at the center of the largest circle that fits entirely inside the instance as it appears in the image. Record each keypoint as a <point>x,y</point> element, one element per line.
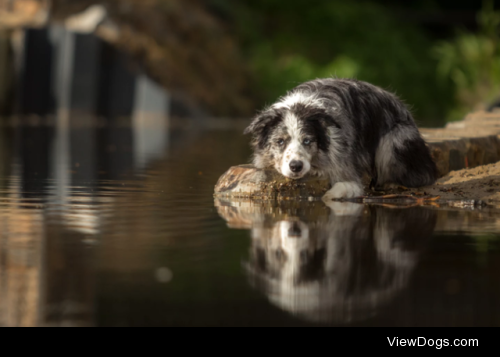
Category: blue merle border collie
<point>345,130</point>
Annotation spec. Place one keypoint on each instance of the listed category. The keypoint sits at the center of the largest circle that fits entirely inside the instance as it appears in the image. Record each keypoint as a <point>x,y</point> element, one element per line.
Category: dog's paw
<point>343,190</point>
<point>345,208</point>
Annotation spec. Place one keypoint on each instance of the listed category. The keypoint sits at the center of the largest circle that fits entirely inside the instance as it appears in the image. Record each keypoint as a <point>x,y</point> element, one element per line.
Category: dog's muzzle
<point>296,166</point>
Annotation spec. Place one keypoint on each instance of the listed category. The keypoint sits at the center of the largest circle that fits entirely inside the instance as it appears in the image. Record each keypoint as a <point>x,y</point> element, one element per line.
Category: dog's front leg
<point>344,190</point>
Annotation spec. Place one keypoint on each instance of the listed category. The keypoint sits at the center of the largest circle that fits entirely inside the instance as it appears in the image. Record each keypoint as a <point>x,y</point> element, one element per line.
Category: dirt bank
<point>481,183</point>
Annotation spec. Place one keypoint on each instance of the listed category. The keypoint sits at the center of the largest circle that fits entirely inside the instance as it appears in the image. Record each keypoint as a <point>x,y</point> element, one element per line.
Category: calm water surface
<point>99,228</point>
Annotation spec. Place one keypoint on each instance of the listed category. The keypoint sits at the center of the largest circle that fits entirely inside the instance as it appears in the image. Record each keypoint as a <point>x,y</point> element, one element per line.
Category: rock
<point>472,142</point>
<point>461,153</point>
<point>248,182</point>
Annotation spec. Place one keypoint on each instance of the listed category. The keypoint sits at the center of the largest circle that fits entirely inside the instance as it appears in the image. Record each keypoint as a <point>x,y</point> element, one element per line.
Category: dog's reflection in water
<point>342,269</point>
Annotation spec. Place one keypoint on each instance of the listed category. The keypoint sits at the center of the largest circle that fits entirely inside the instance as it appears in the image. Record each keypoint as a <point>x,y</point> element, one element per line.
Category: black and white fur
<point>342,129</point>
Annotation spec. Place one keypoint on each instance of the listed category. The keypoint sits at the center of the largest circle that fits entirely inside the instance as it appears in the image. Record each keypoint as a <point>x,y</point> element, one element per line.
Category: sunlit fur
<point>344,130</point>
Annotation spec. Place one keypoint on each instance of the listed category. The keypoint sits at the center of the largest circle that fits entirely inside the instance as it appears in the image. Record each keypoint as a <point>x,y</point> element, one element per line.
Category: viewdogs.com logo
<point>429,342</point>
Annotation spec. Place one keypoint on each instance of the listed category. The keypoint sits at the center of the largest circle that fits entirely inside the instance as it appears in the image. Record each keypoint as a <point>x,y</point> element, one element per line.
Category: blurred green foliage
<point>290,42</point>
<point>472,62</point>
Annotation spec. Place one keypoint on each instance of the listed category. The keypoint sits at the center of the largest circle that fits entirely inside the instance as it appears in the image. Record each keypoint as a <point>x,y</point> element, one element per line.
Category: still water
<point>99,228</point>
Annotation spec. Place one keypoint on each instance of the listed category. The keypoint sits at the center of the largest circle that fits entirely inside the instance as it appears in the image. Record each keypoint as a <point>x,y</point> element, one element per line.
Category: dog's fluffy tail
<point>403,158</point>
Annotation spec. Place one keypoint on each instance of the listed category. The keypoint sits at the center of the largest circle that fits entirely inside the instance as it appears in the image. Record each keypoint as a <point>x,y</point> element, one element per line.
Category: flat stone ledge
<point>458,154</point>
<point>472,142</point>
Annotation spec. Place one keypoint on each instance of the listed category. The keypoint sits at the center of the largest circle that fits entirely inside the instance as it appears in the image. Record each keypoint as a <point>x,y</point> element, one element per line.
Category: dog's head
<point>295,135</point>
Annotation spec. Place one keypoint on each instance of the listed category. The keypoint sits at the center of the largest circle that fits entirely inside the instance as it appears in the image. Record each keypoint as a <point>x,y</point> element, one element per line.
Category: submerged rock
<point>248,182</point>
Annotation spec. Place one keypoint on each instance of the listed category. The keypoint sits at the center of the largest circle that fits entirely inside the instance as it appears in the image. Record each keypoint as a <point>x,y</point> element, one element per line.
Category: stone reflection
<point>331,266</point>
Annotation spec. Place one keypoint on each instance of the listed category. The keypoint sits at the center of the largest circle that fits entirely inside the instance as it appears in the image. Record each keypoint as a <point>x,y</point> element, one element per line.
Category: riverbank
<point>467,154</point>
<point>469,187</point>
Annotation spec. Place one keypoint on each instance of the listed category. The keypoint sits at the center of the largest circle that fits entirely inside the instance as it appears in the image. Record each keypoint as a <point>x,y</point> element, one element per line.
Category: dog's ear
<point>260,122</point>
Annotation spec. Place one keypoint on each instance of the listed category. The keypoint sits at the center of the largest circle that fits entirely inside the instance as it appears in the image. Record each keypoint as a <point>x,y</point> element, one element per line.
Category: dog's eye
<point>307,142</point>
<point>281,142</point>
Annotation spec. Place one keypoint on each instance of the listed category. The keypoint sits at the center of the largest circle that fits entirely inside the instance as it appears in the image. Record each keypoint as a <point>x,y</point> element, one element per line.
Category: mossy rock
<point>248,182</point>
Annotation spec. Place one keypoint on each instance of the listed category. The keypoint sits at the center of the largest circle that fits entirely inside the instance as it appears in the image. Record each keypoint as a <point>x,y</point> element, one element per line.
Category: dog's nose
<point>295,230</point>
<point>296,166</point>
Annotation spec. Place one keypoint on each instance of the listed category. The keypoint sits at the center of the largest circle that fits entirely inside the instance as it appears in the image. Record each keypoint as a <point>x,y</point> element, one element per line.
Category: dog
<point>344,130</point>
